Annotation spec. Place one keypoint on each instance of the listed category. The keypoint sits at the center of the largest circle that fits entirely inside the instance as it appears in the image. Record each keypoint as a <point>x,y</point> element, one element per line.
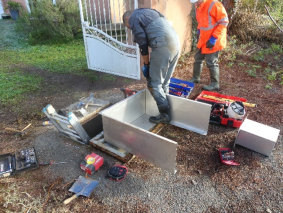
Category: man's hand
<point>145,71</point>
<point>211,42</point>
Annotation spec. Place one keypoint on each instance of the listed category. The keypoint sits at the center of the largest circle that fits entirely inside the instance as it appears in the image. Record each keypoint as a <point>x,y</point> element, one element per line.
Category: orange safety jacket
<point>212,20</point>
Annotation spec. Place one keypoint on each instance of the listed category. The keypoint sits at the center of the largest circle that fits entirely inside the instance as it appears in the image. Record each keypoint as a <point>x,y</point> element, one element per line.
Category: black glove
<point>211,42</point>
<point>209,45</point>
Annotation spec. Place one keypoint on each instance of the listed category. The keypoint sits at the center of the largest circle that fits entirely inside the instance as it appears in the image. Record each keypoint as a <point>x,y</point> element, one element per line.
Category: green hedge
<point>48,22</point>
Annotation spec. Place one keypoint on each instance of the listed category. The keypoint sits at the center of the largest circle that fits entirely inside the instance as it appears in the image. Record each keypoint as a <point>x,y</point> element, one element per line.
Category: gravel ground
<point>201,184</point>
<point>150,189</point>
<point>155,189</point>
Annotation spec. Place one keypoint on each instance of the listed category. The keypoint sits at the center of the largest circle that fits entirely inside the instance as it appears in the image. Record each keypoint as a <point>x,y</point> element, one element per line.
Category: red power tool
<point>91,163</point>
<point>128,92</point>
<point>219,115</point>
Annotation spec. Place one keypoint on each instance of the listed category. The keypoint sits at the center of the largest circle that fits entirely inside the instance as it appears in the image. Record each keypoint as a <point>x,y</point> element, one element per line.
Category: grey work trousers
<point>163,60</point>
<point>210,59</point>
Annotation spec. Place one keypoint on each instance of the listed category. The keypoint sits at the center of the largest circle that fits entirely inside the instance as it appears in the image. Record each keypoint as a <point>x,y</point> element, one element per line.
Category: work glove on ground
<point>145,71</point>
<point>211,42</point>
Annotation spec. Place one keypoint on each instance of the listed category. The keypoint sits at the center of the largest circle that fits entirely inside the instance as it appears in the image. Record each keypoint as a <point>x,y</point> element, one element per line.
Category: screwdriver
<point>50,163</point>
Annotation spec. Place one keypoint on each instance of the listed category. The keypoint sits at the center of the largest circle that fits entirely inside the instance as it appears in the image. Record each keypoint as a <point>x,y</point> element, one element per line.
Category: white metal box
<point>257,137</point>
<point>126,126</point>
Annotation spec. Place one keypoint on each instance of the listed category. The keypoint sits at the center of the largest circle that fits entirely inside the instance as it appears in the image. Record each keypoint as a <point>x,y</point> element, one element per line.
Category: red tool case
<point>20,161</point>
<point>229,162</point>
<point>220,116</point>
<point>91,163</point>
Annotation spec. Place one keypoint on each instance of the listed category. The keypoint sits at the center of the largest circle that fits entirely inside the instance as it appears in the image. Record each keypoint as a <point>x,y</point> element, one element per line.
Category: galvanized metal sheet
<point>189,114</point>
<point>153,148</point>
<point>185,113</point>
<point>121,125</point>
<point>143,122</point>
<point>127,110</point>
<point>257,137</point>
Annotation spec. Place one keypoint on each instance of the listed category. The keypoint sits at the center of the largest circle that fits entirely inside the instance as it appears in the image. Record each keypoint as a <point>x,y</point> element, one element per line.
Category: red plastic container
<point>91,163</point>
<point>227,161</point>
<point>220,118</point>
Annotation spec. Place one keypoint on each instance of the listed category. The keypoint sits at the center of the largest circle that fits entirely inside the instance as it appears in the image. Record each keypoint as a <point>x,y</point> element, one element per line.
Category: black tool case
<point>20,161</point>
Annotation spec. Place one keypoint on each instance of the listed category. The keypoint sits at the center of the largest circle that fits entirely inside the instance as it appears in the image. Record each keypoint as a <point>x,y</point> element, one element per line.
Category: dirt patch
<point>201,184</point>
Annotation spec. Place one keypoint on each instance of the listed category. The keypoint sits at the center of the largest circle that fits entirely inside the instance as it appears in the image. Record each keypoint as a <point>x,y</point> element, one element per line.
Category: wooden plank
<point>111,150</point>
<point>158,128</point>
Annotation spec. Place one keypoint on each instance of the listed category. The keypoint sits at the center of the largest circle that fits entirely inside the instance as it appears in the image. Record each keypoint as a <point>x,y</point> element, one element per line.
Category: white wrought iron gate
<point>109,45</point>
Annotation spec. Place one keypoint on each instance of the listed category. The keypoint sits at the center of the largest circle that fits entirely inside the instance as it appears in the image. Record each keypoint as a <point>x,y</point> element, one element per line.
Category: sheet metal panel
<point>153,148</point>
<point>143,122</point>
<point>189,114</point>
<point>257,137</point>
<point>185,113</point>
<point>127,110</point>
<point>121,125</point>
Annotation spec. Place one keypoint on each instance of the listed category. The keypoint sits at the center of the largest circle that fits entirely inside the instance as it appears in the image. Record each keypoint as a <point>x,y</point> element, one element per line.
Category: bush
<point>257,6</point>
<point>255,27</point>
<point>48,22</point>
<point>13,5</point>
<point>252,22</point>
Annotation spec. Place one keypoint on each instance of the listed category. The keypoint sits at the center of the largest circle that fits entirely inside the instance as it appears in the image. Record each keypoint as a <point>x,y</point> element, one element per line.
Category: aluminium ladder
<point>68,126</point>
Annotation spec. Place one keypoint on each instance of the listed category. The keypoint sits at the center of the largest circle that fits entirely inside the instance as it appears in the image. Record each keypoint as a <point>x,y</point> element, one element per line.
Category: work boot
<point>164,116</point>
<point>212,86</point>
<point>194,80</point>
<point>196,73</point>
<point>214,78</point>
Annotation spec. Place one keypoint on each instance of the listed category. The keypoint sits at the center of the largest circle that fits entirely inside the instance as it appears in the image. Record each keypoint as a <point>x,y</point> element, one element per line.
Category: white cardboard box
<point>257,137</point>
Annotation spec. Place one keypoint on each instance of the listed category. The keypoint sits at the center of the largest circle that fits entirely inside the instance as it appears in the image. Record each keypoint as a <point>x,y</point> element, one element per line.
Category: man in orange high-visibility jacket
<point>212,31</point>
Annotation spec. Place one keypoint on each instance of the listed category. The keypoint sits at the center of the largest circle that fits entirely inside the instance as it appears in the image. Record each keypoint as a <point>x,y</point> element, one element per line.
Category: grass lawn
<point>16,53</point>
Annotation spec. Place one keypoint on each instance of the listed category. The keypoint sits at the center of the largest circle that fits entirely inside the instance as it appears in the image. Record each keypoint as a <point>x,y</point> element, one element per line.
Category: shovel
<point>82,186</point>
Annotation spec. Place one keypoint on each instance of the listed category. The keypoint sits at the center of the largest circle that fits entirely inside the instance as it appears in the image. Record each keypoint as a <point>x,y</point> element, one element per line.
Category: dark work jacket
<point>138,22</point>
